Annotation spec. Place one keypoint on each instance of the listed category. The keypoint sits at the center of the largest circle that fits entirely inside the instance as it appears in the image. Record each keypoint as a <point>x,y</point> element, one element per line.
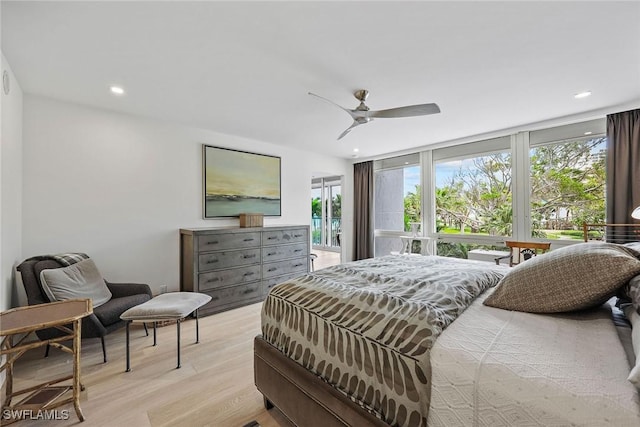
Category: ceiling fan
<point>362,114</point>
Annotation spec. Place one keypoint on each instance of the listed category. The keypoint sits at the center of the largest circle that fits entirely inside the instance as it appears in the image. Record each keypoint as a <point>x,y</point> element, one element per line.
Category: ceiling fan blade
<point>347,130</point>
<point>408,111</point>
<point>333,103</point>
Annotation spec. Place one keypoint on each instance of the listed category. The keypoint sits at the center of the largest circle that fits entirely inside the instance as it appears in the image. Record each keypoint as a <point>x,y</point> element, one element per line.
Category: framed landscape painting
<point>238,182</point>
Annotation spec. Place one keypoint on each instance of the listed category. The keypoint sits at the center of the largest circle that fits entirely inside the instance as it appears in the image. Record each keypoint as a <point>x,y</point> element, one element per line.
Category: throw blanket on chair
<point>65,259</point>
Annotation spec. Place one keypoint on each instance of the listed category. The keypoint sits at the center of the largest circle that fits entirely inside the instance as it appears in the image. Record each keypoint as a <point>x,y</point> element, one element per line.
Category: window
<point>567,187</point>
<point>397,200</point>
<point>530,185</point>
<point>473,191</point>
<point>326,213</point>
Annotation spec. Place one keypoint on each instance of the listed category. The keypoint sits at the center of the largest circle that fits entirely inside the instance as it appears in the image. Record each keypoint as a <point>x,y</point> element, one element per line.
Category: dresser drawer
<point>279,268</point>
<point>270,283</point>
<point>220,260</point>
<point>276,237</point>
<point>230,295</point>
<point>215,242</point>
<point>275,253</point>
<point>233,276</point>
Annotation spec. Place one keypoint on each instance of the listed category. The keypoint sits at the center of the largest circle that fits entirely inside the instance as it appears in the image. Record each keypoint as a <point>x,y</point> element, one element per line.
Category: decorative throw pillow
<point>79,280</point>
<point>571,278</point>
<point>634,318</point>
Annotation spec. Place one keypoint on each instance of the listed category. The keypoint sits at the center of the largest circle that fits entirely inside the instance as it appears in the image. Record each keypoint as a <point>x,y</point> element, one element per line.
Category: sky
<point>444,172</point>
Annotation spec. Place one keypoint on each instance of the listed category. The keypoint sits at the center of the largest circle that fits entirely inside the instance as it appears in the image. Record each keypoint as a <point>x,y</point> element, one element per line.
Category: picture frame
<point>236,182</point>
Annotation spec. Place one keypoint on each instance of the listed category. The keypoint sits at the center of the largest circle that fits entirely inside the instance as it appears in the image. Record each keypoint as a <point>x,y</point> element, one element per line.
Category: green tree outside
<point>567,188</point>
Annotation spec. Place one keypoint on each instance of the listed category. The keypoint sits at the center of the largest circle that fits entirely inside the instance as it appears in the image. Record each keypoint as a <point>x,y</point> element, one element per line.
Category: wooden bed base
<point>305,399</point>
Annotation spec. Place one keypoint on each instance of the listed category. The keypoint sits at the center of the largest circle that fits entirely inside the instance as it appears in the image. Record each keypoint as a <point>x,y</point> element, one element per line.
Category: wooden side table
<point>27,320</point>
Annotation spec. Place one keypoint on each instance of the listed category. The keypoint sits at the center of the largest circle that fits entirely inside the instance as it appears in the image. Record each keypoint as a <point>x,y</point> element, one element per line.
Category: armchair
<point>522,251</point>
<point>105,318</point>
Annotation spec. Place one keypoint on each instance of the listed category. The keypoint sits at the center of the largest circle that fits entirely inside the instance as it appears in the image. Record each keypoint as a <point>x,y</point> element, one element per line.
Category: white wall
<point>119,187</point>
<point>10,187</point>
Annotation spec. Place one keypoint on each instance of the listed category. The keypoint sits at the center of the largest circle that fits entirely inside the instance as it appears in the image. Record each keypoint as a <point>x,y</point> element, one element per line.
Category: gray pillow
<point>79,280</point>
<point>571,278</point>
<point>634,245</point>
<point>631,293</point>
<point>634,318</point>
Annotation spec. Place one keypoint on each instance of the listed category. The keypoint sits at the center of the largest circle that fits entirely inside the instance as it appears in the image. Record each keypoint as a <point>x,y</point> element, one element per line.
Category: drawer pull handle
<point>212,261</point>
<point>298,265</point>
<point>271,253</point>
<point>215,242</point>
<point>215,279</point>
<point>214,298</point>
<point>250,273</point>
<point>249,239</point>
<point>271,237</point>
<point>298,250</point>
<point>272,269</point>
<point>297,235</point>
<point>248,291</point>
<point>249,256</point>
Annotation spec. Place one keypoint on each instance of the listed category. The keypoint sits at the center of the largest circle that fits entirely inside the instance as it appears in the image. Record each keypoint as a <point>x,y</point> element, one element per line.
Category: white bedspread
<point>494,367</point>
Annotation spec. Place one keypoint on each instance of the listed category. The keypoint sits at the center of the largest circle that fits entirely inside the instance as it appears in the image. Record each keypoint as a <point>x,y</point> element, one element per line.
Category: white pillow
<point>634,318</point>
<point>79,280</point>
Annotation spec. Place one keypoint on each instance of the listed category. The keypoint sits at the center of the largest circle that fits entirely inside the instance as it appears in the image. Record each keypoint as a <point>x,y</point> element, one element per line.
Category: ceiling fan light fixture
<point>362,114</point>
<point>581,95</point>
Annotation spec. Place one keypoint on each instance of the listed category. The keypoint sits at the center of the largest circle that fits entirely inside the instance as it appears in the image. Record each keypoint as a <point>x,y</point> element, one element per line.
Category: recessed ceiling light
<point>355,150</point>
<point>116,90</point>
<point>582,94</point>
<point>588,133</point>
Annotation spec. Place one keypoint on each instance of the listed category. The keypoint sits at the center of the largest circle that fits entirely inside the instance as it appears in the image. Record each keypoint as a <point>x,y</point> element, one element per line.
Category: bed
<point>408,341</point>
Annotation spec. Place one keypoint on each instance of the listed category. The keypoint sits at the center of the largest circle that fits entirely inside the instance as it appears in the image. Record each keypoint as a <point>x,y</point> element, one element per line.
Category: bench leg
<point>146,331</point>
<point>155,325</point>
<point>197,327</point>
<point>128,360</point>
<point>178,333</point>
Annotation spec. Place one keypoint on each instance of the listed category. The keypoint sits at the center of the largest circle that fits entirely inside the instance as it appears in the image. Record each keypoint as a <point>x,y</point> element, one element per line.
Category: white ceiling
<point>245,68</point>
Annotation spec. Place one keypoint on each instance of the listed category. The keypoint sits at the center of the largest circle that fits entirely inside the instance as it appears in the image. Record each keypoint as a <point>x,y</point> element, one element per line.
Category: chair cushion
<point>172,305</point>
<point>79,280</point>
<point>109,313</point>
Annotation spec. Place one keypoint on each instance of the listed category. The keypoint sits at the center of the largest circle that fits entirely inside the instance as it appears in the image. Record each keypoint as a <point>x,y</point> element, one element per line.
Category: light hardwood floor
<point>214,387</point>
<point>325,259</point>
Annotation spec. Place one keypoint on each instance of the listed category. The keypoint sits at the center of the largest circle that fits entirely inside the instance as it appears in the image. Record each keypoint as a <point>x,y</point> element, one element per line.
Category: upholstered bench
<point>170,306</point>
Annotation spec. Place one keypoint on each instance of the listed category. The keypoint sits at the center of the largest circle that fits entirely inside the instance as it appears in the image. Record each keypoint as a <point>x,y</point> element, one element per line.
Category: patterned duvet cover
<point>366,327</point>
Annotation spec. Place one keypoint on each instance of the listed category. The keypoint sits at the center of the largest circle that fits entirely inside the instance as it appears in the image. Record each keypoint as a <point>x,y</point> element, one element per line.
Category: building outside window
<point>397,201</point>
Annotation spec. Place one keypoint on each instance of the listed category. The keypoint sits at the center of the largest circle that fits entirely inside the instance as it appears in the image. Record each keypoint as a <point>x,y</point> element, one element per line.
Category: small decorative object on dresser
<point>238,266</point>
<point>251,220</point>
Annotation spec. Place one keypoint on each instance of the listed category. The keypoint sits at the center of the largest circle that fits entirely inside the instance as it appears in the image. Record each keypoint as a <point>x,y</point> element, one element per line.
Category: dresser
<point>238,266</point>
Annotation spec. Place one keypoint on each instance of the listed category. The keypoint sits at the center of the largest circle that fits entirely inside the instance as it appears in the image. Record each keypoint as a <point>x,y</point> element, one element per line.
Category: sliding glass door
<point>326,213</point>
